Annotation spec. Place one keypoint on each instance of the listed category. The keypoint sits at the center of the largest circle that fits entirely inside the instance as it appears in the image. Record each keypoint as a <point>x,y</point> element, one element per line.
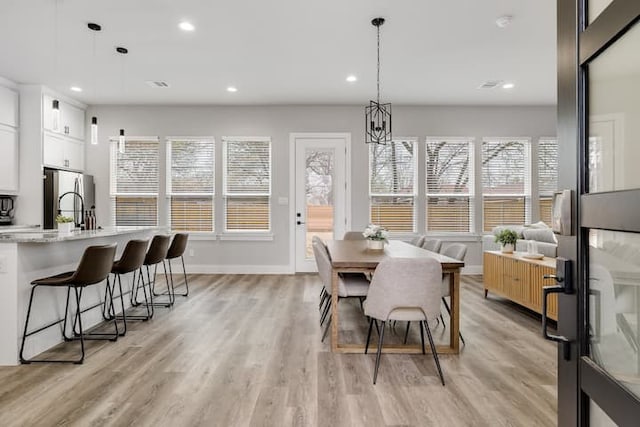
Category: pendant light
<point>121,140</point>
<point>55,115</point>
<point>377,115</point>
<point>94,120</point>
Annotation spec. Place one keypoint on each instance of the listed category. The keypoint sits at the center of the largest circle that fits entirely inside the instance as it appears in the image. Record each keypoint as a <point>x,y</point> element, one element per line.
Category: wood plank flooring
<point>245,350</point>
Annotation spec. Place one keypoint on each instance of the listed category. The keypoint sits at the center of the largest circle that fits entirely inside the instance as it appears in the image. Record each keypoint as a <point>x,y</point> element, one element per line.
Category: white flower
<point>375,232</point>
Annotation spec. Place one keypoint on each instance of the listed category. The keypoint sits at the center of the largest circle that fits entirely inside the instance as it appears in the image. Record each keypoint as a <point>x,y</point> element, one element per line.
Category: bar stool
<point>176,250</point>
<point>130,262</point>
<point>94,267</point>
<point>155,255</point>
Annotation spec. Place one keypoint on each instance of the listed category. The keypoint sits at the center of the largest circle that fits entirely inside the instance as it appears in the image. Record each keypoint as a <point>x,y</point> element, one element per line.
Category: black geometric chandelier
<point>377,116</point>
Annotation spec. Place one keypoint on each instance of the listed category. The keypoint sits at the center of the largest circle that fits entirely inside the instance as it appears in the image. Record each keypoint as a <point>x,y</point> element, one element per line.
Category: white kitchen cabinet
<point>71,118</point>
<point>8,160</point>
<point>8,107</point>
<point>59,151</point>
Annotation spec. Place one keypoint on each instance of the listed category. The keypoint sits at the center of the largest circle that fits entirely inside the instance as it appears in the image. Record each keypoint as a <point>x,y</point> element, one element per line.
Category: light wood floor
<point>245,350</point>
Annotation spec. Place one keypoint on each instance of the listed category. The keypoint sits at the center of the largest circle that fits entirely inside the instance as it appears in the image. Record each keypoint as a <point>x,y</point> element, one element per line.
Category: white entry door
<point>320,192</point>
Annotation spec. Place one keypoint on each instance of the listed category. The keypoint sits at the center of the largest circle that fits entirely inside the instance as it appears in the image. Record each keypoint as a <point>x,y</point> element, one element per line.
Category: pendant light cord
<point>378,77</point>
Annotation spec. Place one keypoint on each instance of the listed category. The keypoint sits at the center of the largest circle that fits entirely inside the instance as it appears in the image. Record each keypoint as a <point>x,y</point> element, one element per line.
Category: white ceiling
<point>283,51</point>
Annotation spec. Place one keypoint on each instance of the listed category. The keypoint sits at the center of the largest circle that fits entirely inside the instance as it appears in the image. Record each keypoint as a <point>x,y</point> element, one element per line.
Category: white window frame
<point>528,167</point>
<point>225,233</point>
<point>473,152</point>
<point>113,141</point>
<point>168,184</point>
<point>414,194</point>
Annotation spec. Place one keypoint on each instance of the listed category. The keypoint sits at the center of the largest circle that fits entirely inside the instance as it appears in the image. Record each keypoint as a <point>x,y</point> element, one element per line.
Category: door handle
<point>299,222</point>
<point>563,278</point>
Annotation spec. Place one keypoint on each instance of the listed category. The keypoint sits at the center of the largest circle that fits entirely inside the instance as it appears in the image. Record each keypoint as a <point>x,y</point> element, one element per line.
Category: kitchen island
<point>27,255</point>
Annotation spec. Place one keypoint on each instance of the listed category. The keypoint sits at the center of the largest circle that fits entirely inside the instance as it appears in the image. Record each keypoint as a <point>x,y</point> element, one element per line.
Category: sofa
<point>538,232</point>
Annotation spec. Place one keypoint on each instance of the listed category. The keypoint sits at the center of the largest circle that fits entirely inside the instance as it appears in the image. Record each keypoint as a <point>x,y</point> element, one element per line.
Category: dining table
<point>354,256</point>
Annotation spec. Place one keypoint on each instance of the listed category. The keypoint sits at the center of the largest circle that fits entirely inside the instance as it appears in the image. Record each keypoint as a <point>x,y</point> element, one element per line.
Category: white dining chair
<point>405,289</point>
<point>432,245</point>
<point>349,286</point>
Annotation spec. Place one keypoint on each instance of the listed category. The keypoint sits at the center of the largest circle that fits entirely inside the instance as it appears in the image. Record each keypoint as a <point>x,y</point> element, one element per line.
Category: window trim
<point>471,194</point>
<point>413,195</point>
<point>225,233</point>
<point>168,186</point>
<point>113,141</point>
<point>528,170</point>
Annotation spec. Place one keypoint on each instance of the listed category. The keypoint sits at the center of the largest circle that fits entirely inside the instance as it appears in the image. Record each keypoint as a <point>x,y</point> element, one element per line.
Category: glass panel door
<point>320,195</point>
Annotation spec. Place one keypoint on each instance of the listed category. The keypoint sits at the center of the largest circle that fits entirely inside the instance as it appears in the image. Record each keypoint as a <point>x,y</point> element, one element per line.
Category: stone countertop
<point>53,236</point>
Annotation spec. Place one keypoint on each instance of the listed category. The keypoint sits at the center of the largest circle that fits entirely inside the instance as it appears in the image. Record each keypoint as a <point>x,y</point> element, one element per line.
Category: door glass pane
<point>614,298</point>
<point>598,418</point>
<point>614,116</point>
<point>319,196</point>
<point>595,8</point>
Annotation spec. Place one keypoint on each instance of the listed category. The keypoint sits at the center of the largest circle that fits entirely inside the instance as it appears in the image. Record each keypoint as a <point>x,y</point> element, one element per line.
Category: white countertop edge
<point>53,236</point>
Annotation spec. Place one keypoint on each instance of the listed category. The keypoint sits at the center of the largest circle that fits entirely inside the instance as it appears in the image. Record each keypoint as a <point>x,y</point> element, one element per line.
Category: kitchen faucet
<point>78,195</point>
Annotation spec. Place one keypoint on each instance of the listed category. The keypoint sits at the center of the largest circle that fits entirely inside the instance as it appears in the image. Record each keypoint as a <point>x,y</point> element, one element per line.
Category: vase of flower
<point>376,237</point>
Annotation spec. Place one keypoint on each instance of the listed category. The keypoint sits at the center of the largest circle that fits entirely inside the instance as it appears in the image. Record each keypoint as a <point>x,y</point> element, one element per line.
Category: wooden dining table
<point>353,256</point>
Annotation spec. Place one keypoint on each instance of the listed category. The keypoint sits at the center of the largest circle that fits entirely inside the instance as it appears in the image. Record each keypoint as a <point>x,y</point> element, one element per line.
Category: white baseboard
<point>237,269</point>
<point>275,269</point>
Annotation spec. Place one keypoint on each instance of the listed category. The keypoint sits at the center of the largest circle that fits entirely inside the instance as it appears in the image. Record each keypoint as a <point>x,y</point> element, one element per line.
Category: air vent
<point>490,84</point>
<point>157,83</point>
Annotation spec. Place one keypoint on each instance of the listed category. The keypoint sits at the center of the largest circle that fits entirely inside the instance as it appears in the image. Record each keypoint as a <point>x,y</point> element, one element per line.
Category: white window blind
<point>547,176</point>
<point>505,182</point>
<point>247,184</point>
<point>190,183</point>
<point>449,180</point>
<point>134,183</point>
<point>392,176</point>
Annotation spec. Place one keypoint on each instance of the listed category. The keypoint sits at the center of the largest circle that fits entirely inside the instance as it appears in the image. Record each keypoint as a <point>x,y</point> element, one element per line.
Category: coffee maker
<point>6,210</point>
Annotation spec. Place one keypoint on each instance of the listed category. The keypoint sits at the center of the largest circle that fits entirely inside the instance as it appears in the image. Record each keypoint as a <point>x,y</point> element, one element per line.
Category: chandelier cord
<point>378,77</point>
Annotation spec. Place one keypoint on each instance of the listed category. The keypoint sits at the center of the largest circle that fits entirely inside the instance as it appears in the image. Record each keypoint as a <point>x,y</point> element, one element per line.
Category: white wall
<point>278,122</point>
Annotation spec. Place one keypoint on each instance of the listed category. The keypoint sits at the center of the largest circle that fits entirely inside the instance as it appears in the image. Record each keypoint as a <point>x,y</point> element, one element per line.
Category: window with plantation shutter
<point>392,176</point>
<point>449,180</point>
<point>247,184</point>
<point>190,183</point>
<point>134,183</point>
<point>505,182</point>
<point>547,176</point>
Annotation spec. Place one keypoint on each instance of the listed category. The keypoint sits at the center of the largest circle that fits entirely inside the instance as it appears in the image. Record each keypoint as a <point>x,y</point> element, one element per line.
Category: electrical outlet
<point>191,252</point>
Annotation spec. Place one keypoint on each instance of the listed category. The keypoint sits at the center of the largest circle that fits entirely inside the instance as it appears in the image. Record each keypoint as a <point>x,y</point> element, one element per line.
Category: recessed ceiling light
<point>504,21</point>
<point>351,78</point>
<point>76,89</point>
<point>232,89</point>
<point>508,86</point>
<point>186,26</point>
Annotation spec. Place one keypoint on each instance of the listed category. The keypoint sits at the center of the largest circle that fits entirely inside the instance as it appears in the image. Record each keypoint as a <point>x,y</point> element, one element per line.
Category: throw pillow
<point>541,235</point>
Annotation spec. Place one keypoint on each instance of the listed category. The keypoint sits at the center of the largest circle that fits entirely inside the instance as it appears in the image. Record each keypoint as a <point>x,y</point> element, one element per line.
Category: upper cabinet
<point>8,107</point>
<point>71,123</point>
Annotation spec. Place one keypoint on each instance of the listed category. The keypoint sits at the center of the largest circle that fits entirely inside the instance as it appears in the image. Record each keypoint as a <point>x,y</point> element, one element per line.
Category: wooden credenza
<point>519,279</point>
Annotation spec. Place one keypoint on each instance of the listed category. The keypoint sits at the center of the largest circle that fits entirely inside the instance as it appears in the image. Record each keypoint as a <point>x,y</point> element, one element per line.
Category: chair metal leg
<point>406,333</point>
<point>425,324</point>
<point>327,308</point>
<point>326,329</point>
<point>26,325</point>
<point>124,314</point>
<point>422,340</point>
<point>79,315</point>
<point>375,372</point>
<point>366,348</point>
<point>446,305</point>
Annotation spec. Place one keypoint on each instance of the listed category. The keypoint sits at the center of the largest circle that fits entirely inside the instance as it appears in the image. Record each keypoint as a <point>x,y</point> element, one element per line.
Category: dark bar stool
<point>94,268</point>
<point>176,250</point>
<point>155,255</point>
<point>130,262</point>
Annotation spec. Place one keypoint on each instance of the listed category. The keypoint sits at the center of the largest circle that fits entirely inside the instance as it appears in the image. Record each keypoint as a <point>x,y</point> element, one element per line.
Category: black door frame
<point>579,377</point>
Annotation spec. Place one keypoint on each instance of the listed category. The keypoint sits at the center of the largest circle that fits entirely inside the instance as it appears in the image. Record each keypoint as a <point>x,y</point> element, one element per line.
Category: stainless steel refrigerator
<point>66,193</point>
